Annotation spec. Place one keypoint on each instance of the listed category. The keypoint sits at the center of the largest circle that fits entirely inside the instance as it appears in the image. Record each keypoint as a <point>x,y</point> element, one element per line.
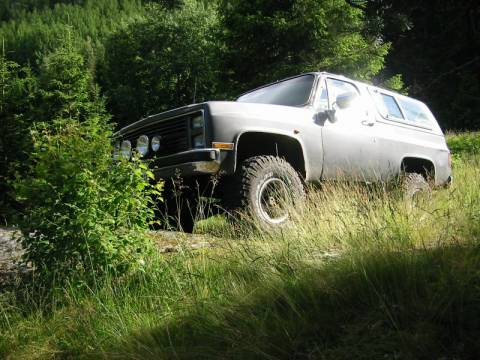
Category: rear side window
<point>415,111</point>
<point>389,106</point>
<point>402,108</point>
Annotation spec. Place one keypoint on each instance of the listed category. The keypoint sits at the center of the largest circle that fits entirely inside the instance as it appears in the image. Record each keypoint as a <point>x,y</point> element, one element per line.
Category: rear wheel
<point>415,184</point>
<point>265,187</point>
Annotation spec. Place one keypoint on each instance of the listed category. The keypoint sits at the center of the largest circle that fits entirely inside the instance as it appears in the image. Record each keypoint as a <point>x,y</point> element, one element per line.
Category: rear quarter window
<point>416,112</point>
<point>391,106</point>
<point>401,108</point>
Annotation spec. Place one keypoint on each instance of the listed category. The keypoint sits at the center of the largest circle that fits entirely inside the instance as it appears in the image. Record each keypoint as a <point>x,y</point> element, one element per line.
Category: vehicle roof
<point>315,73</point>
<point>326,73</point>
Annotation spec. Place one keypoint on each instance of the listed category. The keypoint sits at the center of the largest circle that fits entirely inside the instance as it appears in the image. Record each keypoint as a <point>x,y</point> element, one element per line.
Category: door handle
<point>367,123</point>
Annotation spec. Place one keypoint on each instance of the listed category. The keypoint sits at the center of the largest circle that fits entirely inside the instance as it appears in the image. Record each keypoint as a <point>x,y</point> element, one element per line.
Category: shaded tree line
<point>435,45</point>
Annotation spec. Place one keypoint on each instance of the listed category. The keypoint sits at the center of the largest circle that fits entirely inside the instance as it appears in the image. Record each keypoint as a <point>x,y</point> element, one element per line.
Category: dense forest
<point>145,56</point>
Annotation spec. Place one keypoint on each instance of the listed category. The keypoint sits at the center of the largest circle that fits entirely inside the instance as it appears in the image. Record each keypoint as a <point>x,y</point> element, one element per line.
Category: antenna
<point>195,91</point>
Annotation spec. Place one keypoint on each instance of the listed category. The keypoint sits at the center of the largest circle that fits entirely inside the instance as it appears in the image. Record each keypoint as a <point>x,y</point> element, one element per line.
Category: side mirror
<point>343,101</point>
<point>331,115</point>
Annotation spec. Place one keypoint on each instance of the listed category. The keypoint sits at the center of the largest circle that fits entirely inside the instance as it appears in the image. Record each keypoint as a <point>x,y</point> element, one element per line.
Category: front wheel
<point>265,187</point>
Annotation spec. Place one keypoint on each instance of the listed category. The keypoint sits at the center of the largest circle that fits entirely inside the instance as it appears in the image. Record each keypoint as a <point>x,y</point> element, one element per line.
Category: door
<point>350,149</point>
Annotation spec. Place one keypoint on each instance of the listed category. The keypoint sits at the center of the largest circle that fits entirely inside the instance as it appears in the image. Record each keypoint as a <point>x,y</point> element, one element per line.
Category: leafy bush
<point>85,215</point>
<point>464,143</point>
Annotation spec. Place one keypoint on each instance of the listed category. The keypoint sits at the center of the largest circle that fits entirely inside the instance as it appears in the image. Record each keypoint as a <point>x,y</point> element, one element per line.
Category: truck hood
<point>219,109</point>
<point>253,110</point>
<point>160,117</point>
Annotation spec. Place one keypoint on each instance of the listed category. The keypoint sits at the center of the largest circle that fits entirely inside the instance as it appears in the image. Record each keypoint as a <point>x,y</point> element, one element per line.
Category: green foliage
<point>65,87</point>
<point>38,32</point>
<point>167,60</point>
<point>462,144</point>
<point>17,93</point>
<point>85,216</point>
<point>395,83</point>
<point>14,9</point>
<point>267,40</point>
<point>435,45</point>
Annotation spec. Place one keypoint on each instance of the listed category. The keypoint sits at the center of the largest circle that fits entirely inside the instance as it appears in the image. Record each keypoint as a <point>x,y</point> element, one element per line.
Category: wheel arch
<point>254,143</point>
<point>420,165</point>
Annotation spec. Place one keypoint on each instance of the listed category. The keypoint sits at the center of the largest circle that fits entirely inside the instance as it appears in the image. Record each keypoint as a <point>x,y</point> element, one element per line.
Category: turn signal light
<point>222,145</point>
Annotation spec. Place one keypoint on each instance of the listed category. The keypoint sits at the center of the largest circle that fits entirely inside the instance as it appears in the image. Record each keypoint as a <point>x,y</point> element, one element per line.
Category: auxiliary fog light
<point>198,141</point>
<point>126,149</point>
<point>197,122</point>
<point>142,145</point>
<point>116,151</point>
<point>156,143</point>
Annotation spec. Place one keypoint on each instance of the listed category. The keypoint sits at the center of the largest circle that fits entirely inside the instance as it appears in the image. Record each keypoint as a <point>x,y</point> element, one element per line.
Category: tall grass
<point>360,273</point>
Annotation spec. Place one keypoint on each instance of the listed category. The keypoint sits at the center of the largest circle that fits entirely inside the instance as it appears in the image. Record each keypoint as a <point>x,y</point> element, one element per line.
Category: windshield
<point>292,92</point>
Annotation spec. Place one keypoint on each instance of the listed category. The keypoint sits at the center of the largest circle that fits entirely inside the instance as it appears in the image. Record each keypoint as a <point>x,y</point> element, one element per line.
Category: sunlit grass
<point>360,272</point>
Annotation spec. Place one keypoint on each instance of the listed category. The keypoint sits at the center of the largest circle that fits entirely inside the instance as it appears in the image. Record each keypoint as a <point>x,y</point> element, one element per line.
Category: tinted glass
<point>292,92</point>
<point>338,87</point>
<point>415,111</point>
<point>390,106</point>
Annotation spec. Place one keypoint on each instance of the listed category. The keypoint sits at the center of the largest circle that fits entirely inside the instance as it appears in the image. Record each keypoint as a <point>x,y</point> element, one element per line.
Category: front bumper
<point>188,163</point>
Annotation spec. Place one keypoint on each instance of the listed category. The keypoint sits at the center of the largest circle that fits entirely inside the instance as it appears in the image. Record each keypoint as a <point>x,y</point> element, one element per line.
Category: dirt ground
<point>166,241</point>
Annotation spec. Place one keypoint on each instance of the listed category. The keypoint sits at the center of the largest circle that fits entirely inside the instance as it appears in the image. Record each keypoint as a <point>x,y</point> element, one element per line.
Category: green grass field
<point>362,273</point>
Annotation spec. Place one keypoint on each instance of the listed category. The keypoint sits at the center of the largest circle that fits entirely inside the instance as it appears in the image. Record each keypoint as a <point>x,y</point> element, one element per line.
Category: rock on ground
<point>10,254</point>
<point>11,250</point>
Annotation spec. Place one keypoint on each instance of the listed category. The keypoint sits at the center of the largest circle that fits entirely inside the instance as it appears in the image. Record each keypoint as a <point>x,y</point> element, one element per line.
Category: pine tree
<point>17,93</point>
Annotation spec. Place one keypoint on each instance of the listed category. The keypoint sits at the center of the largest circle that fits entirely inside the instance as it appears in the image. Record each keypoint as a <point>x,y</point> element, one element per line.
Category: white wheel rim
<point>270,203</point>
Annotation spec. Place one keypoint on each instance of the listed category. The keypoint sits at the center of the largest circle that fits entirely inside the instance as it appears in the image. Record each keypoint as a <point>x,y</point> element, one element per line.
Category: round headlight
<point>197,122</point>
<point>116,151</point>
<point>126,149</point>
<point>198,141</point>
<point>156,143</point>
<point>142,145</point>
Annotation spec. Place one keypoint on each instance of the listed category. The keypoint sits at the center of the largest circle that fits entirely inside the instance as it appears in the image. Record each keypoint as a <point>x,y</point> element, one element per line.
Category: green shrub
<point>85,215</point>
<point>464,143</point>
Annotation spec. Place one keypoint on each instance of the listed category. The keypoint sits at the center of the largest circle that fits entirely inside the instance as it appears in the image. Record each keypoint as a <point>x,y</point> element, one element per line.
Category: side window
<point>415,111</point>
<point>338,87</point>
<point>401,108</point>
<point>390,106</point>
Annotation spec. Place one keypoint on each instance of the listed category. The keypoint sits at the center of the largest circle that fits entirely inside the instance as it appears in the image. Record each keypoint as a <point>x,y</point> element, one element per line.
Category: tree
<point>17,89</point>
<point>66,88</point>
<point>168,60</point>
<point>436,47</point>
<point>85,216</point>
<point>35,27</point>
<point>267,40</point>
